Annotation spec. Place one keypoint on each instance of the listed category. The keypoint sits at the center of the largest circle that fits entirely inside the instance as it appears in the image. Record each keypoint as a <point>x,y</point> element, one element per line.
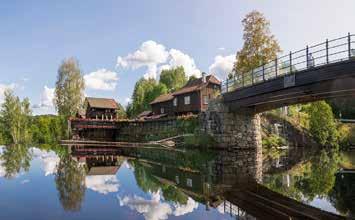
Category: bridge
<point>322,71</point>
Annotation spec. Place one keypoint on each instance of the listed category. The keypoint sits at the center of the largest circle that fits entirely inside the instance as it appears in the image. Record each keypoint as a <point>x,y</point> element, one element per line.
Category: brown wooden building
<point>100,108</point>
<point>192,98</point>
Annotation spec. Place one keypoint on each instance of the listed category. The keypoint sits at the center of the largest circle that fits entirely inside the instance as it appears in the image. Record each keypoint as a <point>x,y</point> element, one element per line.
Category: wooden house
<point>100,108</point>
<point>192,98</point>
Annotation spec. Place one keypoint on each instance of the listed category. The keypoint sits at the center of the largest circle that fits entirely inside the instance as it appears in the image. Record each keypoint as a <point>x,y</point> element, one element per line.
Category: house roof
<point>109,170</point>
<point>197,84</point>
<point>191,86</point>
<point>102,103</point>
<point>163,98</point>
<point>144,114</point>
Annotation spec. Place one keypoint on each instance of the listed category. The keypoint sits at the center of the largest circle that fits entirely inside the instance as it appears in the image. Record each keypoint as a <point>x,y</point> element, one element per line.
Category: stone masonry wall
<point>231,129</point>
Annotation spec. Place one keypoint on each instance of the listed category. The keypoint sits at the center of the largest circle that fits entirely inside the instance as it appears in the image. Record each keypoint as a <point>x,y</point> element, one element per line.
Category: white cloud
<point>3,88</point>
<point>221,48</point>
<point>46,104</point>
<point>49,160</point>
<point>128,100</point>
<point>101,79</point>
<point>155,207</point>
<point>102,183</point>
<point>178,58</point>
<point>25,181</point>
<point>47,97</point>
<point>156,58</point>
<point>152,209</point>
<point>222,66</point>
<point>2,170</point>
<point>150,54</point>
<point>185,209</point>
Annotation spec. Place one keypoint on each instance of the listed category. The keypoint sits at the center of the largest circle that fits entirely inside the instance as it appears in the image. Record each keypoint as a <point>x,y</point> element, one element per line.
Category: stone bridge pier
<point>231,129</point>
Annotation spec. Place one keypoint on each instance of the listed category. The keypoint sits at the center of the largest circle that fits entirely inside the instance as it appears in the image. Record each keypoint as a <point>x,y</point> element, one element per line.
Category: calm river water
<point>56,182</point>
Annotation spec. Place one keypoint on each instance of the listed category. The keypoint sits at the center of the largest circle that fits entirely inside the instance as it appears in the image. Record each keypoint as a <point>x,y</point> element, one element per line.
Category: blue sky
<point>35,36</point>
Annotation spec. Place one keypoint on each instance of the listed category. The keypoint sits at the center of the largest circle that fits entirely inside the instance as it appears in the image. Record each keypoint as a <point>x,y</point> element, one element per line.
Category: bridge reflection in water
<point>230,181</point>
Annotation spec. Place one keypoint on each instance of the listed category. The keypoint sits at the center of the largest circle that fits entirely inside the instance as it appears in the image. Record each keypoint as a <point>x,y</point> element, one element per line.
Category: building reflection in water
<point>230,181</point>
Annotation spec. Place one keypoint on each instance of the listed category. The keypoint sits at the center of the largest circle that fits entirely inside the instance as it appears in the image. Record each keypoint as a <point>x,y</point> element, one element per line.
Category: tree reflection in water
<point>343,194</point>
<point>149,183</point>
<point>70,183</point>
<point>15,158</point>
<point>319,177</point>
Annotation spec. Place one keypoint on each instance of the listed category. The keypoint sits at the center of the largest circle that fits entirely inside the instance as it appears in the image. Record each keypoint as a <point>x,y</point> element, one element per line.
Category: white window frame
<point>162,110</point>
<point>175,101</point>
<point>187,100</point>
<point>189,182</point>
<point>205,100</point>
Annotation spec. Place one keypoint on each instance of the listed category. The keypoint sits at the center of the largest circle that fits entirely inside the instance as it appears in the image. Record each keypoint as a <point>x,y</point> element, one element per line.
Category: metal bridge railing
<point>330,51</point>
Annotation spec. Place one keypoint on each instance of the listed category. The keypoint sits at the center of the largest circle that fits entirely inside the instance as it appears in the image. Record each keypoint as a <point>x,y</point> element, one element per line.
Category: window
<point>175,101</point>
<point>162,110</point>
<point>177,180</point>
<point>187,100</point>
<point>189,182</point>
<point>205,100</point>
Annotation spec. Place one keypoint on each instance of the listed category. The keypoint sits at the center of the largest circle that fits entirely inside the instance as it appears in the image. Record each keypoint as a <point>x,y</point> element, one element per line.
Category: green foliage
<point>320,178</point>
<point>121,113</point>
<point>145,91</point>
<point>273,141</point>
<point>70,183</point>
<point>15,158</point>
<point>192,78</point>
<point>145,180</point>
<point>173,79</point>
<point>173,194</point>
<point>14,119</point>
<point>201,140</point>
<point>342,194</point>
<point>48,129</point>
<point>322,124</point>
<point>69,90</point>
<point>187,125</point>
<point>260,46</point>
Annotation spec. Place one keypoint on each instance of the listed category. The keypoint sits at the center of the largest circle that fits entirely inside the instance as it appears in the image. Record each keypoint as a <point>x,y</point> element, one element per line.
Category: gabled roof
<point>102,103</point>
<point>103,170</point>
<point>191,86</point>
<point>144,114</point>
<point>197,84</point>
<point>163,98</point>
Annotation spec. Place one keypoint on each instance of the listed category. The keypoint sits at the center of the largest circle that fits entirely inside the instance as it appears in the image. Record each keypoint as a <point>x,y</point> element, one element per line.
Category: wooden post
<point>327,50</point>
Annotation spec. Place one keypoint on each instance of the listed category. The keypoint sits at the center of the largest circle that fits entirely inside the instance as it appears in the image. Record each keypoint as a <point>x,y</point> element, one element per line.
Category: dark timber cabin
<point>190,99</point>
<point>100,108</point>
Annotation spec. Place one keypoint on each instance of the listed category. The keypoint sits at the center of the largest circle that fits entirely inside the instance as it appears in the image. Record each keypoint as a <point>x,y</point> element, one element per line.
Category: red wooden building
<point>192,98</point>
<point>100,108</point>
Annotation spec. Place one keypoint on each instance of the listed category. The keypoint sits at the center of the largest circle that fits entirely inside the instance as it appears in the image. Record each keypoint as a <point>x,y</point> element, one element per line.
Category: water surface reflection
<point>81,182</point>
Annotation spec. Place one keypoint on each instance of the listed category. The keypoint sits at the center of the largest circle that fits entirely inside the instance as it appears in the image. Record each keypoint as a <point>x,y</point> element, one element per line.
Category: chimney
<point>204,77</point>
